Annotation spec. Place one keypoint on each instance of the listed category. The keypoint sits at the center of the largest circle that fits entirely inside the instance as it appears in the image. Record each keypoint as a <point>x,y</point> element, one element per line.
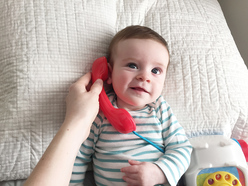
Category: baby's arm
<point>143,173</point>
<point>175,161</point>
<point>81,163</point>
<point>84,155</point>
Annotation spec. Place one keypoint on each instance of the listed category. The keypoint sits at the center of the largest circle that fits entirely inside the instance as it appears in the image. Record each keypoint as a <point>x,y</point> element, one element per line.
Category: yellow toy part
<point>221,178</point>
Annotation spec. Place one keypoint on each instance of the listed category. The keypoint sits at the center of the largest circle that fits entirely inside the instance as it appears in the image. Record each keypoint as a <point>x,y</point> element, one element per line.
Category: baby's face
<point>138,72</point>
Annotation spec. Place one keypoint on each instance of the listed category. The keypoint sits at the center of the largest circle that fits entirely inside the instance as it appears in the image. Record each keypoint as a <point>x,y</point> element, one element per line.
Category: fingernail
<point>99,81</point>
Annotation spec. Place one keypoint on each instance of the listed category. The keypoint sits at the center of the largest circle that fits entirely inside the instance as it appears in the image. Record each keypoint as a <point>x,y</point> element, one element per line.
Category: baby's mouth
<point>139,89</point>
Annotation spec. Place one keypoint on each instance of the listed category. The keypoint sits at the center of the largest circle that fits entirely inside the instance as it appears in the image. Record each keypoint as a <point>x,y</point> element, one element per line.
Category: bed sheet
<point>47,45</point>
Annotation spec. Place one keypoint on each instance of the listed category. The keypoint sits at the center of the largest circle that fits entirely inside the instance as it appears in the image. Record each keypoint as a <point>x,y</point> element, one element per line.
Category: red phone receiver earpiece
<point>120,119</point>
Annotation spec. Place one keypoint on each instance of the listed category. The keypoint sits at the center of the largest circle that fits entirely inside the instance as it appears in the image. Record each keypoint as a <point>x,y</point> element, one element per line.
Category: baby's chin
<point>131,105</point>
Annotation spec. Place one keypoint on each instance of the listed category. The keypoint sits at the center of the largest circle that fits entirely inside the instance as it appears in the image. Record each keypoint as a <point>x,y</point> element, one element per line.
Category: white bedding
<point>47,45</point>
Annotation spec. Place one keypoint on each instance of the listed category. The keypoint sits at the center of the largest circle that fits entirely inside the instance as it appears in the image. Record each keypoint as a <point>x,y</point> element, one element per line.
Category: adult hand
<point>82,103</point>
<point>55,166</point>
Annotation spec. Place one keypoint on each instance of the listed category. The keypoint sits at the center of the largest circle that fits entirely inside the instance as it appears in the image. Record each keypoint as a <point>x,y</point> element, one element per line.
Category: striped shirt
<point>111,150</point>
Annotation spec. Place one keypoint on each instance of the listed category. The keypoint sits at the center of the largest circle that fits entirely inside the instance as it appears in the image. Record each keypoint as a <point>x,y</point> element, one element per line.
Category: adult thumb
<point>97,86</point>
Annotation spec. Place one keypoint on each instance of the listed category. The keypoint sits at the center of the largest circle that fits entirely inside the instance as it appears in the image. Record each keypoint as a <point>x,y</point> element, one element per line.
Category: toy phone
<point>217,160</point>
<point>120,119</point>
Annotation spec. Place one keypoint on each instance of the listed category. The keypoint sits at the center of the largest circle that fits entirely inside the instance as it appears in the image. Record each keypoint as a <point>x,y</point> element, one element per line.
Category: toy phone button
<point>221,178</point>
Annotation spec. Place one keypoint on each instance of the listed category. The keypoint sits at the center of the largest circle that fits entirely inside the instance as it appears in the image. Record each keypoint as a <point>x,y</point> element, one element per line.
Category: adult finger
<point>85,79</point>
<point>81,83</point>
<point>97,86</point>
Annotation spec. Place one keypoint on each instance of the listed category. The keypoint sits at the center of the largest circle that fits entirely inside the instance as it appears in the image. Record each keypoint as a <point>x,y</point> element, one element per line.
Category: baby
<point>138,61</point>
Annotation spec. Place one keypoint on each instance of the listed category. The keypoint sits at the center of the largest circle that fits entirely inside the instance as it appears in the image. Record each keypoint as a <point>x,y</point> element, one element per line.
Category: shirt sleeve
<point>84,155</point>
<point>176,158</point>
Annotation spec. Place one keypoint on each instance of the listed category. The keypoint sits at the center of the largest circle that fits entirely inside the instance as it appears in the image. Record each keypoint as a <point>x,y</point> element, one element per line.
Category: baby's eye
<point>156,71</point>
<point>132,65</point>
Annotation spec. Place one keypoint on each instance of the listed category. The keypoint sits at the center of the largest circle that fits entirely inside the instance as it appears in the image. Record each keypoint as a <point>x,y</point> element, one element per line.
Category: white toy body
<point>216,160</point>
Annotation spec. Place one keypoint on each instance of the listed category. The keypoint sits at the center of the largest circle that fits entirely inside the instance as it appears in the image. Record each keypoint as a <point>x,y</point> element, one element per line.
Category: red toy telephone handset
<point>121,120</point>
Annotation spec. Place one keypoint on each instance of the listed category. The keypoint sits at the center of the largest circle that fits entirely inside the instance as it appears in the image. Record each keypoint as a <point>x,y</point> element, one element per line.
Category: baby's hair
<point>134,32</point>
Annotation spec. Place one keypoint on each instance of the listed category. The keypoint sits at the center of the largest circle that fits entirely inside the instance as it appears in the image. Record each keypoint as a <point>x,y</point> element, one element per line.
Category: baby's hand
<point>143,174</point>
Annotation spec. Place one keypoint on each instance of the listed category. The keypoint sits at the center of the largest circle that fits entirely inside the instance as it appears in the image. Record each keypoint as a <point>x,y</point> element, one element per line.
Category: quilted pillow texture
<point>47,45</point>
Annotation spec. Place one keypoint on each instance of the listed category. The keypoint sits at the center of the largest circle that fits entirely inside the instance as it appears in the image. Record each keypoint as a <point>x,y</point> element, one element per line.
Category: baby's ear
<point>110,69</point>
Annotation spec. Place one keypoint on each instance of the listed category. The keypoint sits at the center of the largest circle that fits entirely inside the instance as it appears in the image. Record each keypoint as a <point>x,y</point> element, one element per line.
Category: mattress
<point>47,45</point>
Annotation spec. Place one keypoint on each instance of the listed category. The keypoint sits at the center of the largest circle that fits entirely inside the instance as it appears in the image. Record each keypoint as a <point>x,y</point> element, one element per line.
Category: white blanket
<point>47,45</point>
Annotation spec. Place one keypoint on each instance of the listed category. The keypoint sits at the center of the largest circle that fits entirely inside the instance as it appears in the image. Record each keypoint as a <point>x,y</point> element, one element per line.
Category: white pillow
<point>46,46</point>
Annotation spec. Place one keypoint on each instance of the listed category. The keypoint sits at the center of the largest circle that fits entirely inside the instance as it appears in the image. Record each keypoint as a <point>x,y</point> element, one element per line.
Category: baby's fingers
<point>130,181</point>
<point>134,162</point>
<point>129,170</point>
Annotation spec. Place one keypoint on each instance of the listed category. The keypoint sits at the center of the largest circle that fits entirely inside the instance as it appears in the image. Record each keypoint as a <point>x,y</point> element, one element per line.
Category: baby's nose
<point>144,76</point>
